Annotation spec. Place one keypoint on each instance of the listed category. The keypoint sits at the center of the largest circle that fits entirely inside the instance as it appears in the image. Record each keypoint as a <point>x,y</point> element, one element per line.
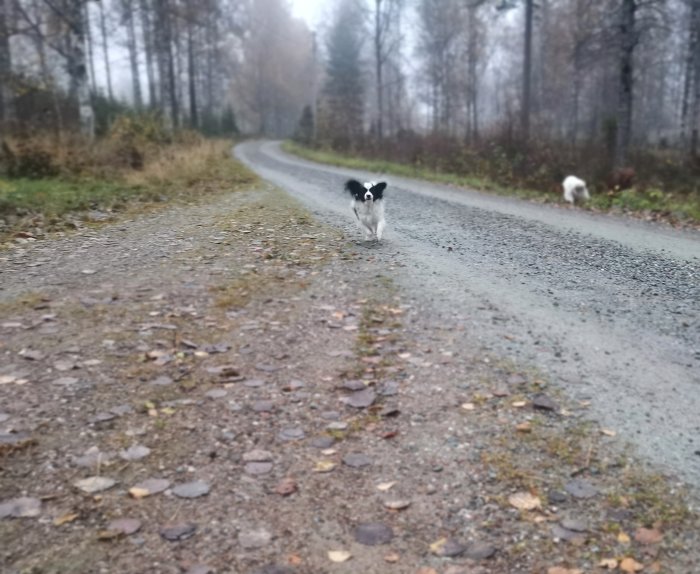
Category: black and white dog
<point>368,205</point>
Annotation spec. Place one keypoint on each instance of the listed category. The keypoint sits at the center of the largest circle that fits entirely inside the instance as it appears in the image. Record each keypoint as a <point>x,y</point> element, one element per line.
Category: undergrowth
<point>34,203</point>
<point>651,200</point>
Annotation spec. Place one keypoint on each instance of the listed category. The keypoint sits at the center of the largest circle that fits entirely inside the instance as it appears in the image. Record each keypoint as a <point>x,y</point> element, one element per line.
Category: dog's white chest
<point>370,215</point>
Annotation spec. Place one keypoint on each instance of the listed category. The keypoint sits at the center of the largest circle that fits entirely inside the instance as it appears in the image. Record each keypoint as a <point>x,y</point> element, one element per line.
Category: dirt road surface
<point>241,385</point>
<point>609,307</point>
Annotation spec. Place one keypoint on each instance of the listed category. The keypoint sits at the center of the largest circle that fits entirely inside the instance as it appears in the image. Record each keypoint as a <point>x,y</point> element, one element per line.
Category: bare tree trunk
<point>211,33</point>
<point>76,65</point>
<point>379,61</point>
<point>176,37</point>
<point>170,61</point>
<point>105,50</point>
<point>192,76</point>
<point>132,44</point>
<point>88,41</point>
<point>472,88</point>
<point>147,29</point>
<point>693,70</point>
<point>7,112</point>
<point>527,72</point>
<point>166,62</point>
<point>628,40</point>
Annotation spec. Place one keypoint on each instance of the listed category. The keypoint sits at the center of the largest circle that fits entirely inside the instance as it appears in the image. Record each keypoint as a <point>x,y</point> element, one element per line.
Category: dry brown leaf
<point>324,466</point>
<point>339,555</point>
<point>524,501</point>
<point>623,538</point>
<point>524,427</point>
<point>295,560</point>
<point>139,492</point>
<point>468,406</point>
<point>609,563</point>
<point>630,565</point>
<point>426,570</point>
<point>109,534</point>
<point>561,570</point>
<point>648,536</point>
<point>397,504</point>
<point>437,546</point>
<point>384,486</point>
<point>65,519</point>
<point>391,558</point>
<point>519,404</point>
<point>608,432</point>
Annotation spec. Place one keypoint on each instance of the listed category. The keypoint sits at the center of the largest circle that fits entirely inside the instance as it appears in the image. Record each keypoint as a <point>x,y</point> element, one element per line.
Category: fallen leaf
<point>608,432</point>
<point>286,486</point>
<point>193,489</point>
<point>360,399</point>
<point>581,489</point>
<point>609,563</point>
<point>437,546</point>
<point>257,455</point>
<point>138,492</point>
<point>148,487</point>
<point>356,460</point>
<point>339,555</point>
<point>519,404</point>
<point>391,558</point>
<point>373,534</point>
<point>124,525</point>
<point>560,570</point>
<point>524,427</point>
<point>468,406</point>
<point>397,504</point>
<point>175,532</point>
<point>648,536</point>
<point>135,452</point>
<point>630,565</point>
<point>254,538</point>
<point>109,534</point>
<point>324,466</point>
<point>524,501</point>
<point>65,519</point>
<point>426,570</point>
<point>258,468</point>
<point>447,548</point>
<point>544,402</point>
<point>23,507</point>
<point>384,486</point>
<point>95,484</point>
<point>623,538</point>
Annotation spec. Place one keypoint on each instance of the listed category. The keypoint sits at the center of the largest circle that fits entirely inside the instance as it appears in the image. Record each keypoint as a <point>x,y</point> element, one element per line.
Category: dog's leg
<point>380,229</point>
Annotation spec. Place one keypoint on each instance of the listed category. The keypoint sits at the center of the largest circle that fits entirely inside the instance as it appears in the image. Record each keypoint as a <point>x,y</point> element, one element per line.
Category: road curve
<point>607,307</point>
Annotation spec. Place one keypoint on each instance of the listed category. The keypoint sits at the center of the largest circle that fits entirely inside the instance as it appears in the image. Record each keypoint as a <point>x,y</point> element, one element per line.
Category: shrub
<point>29,158</point>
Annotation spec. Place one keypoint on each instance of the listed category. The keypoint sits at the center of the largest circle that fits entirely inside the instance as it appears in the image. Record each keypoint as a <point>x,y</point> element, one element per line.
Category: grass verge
<point>653,203</point>
<point>32,207</point>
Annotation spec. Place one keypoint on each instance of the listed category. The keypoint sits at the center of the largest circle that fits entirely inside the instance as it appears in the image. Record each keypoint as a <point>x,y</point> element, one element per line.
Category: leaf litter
<point>471,489</point>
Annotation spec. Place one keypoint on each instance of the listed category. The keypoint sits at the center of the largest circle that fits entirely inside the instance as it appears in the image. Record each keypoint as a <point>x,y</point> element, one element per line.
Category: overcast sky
<point>310,10</point>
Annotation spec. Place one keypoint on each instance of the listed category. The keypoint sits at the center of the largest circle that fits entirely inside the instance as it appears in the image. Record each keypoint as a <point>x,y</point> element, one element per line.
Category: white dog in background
<point>368,206</point>
<point>575,189</point>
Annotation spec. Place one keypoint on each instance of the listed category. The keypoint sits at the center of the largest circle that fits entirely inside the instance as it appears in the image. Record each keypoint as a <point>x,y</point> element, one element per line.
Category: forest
<point>513,94</point>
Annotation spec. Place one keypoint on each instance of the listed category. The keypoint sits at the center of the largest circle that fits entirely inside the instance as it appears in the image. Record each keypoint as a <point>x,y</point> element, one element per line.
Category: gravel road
<point>606,307</point>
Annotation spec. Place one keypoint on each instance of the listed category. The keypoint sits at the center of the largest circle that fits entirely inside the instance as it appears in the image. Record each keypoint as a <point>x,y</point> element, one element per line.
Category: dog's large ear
<point>378,190</point>
<point>355,188</point>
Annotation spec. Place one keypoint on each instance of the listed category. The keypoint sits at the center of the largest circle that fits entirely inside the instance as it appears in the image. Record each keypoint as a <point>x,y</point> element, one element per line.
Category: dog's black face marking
<point>356,189</point>
<point>378,190</point>
<point>360,193</point>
